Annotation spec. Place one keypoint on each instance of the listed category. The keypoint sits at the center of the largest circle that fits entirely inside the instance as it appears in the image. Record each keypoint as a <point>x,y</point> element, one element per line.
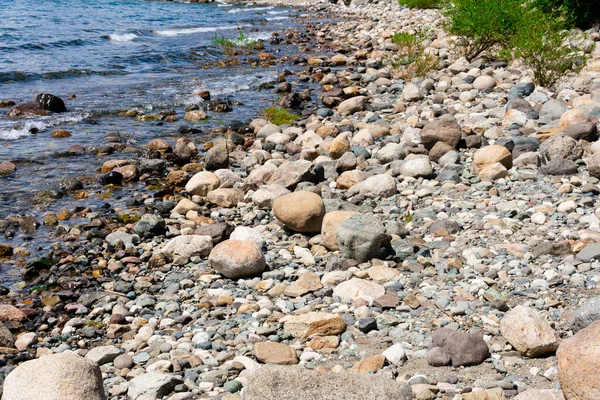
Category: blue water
<point>113,55</point>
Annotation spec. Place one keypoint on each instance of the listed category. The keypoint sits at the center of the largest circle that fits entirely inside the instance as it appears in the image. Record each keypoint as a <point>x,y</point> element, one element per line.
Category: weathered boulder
<point>63,376</point>
<point>362,237</point>
<point>181,248</point>
<point>300,211</point>
<point>237,258</point>
<point>529,332</point>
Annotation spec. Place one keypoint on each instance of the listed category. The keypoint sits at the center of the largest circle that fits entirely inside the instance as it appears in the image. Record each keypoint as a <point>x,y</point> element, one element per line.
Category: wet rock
<point>111,178</point>
<point>237,259</point>
<point>7,168</point>
<point>150,225</point>
<point>52,103</point>
<point>6,337</point>
<point>64,376</point>
<point>194,115</point>
<point>528,332</point>
<point>184,150</point>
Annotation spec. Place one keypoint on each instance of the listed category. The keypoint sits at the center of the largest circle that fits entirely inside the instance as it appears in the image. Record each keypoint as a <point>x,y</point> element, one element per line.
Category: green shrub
<point>423,4</point>
<point>280,116</point>
<point>230,47</point>
<point>414,61</point>
<point>582,12</point>
<point>483,24</point>
<point>542,42</point>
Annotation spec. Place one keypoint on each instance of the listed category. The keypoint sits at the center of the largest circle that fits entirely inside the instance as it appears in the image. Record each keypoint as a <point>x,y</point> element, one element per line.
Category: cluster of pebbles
<point>433,238</point>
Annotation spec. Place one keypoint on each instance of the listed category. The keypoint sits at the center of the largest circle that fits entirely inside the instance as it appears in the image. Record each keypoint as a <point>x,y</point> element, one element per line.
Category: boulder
<point>275,353</point>
<point>489,155</point>
<point>184,150</point>
<point>181,248</point>
<point>225,197</point>
<point>202,183</point>
<point>152,385</point>
<point>300,211</point>
<point>237,259</point>
<point>217,157</point>
<point>50,102</point>
<point>266,195</point>
<point>540,394</point>
<point>63,376</point>
<point>357,288</point>
<point>6,337</point>
<point>593,164</point>
<point>290,173</point>
<point>586,314</point>
<point>445,129</point>
<point>194,115</point>
<point>298,383</point>
<point>484,83</point>
<point>331,222</point>
<point>417,168</point>
<point>304,325</point>
<point>528,332</point>
<point>562,147</point>
<point>463,349</point>
<point>352,105</point>
<point>362,237</point>
<point>382,185</point>
<point>578,360</point>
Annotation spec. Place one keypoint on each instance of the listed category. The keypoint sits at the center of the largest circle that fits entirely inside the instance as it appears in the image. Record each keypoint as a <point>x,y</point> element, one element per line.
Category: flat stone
<point>275,353</point>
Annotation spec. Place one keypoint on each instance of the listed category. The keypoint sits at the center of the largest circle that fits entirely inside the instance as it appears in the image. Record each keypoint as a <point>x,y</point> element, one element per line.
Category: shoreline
<point>387,244</point>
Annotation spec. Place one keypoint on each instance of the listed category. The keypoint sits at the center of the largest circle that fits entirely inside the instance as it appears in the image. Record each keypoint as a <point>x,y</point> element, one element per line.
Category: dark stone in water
<point>186,130</point>
<point>49,102</point>
<point>4,291</point>
<point>70,184</point>
<point>149,153</point>
<point>111,178</point>
<point>39,263</point>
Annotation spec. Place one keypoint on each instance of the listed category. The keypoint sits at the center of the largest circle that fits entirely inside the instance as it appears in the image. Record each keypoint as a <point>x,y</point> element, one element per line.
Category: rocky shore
<point>426,238</point>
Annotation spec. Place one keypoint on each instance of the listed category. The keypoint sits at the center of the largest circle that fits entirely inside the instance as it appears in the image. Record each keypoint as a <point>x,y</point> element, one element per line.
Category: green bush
<point>280,116</point>
<point>542,42</point>
<point>582,12</point>
<point>423,4</point>
<point>483,24</point>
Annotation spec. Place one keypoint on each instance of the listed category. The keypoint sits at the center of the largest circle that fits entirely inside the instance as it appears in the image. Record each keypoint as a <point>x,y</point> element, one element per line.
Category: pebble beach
<point>430,237</point>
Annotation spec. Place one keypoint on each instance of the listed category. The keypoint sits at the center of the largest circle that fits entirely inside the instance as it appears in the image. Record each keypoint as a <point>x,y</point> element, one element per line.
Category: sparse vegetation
<point>516,29</point>
<point>423,4</point>
<point>543,45</point>
<point>230,47</point>
<point>414,61</point>
<point>280,116</point>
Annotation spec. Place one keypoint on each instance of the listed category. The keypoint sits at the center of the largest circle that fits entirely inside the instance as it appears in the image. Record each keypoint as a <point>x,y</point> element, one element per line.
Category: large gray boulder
<point>297,383</point>
<point>63,376</point>
<point>362,237</point>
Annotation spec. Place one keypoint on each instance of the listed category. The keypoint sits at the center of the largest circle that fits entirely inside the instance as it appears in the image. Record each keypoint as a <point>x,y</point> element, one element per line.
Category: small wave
<point>249,9</point>
<point>259,36</point>
<point>277,18</point>
<point>23,129</point>
<point>124,37</point>
<point>203,29</point>
<point>18,76</point>
<point>277,12</point>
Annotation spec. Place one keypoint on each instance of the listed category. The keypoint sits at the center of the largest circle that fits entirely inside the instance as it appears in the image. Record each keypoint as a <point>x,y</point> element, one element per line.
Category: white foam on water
<point>259,36</point>
<point>277,18</point>
<point>18,130</point>
<point>189,31</point>
<point>249,9</point>
<point>277,12</point>
<point>124,37</point>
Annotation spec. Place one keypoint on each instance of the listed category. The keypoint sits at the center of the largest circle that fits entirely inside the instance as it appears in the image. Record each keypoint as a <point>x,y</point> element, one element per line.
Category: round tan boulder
<point>202,183</point>
<point>300,211</point>
<point>572,117</point>
<point>63,376</point>
<point>529,332</point>
<point>578,364</point>
<point>490,155</point>
<point>195,115</point>
<point>331,222</point>
<point>237,258</point>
